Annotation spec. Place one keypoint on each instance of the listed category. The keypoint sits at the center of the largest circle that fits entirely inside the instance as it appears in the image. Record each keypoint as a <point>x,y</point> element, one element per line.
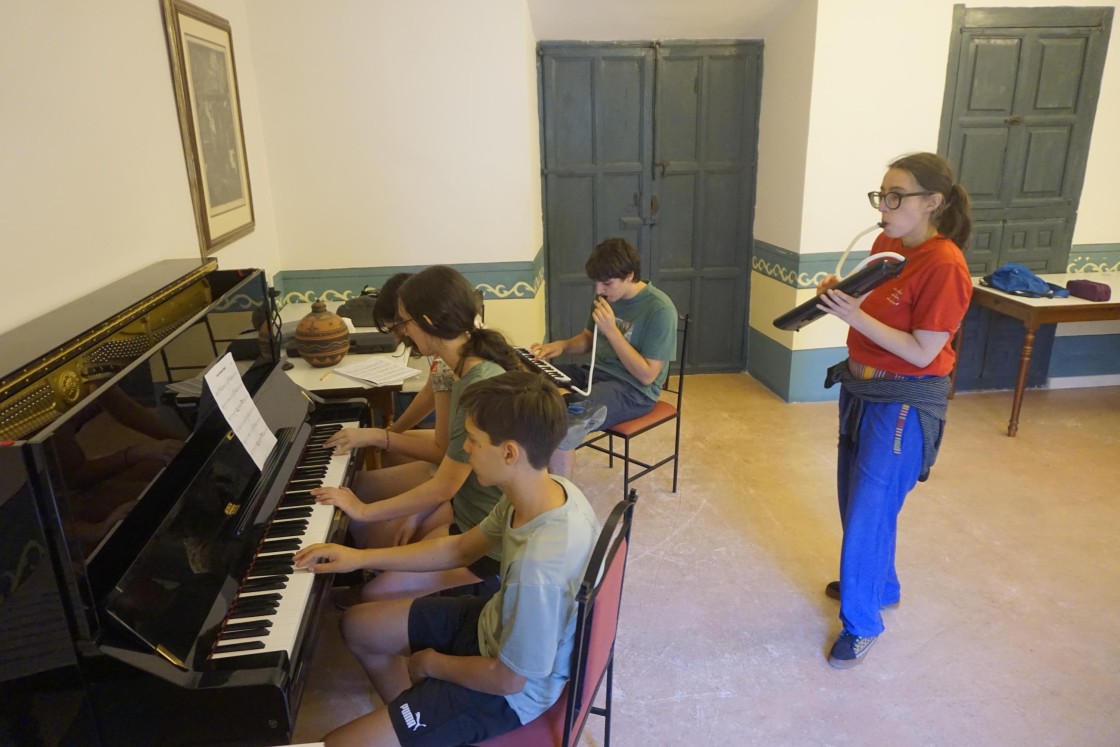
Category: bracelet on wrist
<point>386,440</point>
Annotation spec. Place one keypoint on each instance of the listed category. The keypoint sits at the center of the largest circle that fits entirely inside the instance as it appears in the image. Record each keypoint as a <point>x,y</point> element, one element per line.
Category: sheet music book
<point>239,410</point>
<point>377,371</point>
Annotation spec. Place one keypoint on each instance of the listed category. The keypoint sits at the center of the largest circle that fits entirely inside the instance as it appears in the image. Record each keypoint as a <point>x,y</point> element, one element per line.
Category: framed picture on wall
<point>204,75</point>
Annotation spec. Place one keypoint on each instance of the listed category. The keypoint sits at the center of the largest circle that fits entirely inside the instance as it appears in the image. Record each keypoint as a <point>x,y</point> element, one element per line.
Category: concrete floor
<point>1009,627</point>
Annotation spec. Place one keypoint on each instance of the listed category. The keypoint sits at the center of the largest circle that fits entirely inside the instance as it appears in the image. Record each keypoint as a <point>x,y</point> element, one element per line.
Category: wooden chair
<point>665,411</point>
<point>598,601</point>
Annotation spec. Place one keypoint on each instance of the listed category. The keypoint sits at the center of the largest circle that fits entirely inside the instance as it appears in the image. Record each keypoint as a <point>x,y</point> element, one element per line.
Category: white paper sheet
<point>377,371</point>
<point>239,410</point>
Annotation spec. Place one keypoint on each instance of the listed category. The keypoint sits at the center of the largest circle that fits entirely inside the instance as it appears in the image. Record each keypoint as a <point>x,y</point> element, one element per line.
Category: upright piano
<point>146,588</point>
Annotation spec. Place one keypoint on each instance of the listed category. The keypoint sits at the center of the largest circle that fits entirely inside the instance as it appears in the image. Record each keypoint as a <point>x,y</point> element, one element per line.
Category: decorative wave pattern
<point>520,289</point>
<point>776,271</point>
<point>1093,264</point>
<point>311,296</point>
<point>238,301</point>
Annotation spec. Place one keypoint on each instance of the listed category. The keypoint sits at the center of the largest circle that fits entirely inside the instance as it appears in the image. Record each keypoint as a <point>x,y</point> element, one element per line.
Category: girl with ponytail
<point>436,316</point>
<point>895,383</point>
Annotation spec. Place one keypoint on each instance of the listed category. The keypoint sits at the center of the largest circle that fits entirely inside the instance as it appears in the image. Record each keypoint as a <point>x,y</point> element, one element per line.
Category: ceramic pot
<point>322,338</point>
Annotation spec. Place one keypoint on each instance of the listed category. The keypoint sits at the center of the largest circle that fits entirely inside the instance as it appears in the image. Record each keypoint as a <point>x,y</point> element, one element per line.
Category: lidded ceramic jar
<point>322,338</point>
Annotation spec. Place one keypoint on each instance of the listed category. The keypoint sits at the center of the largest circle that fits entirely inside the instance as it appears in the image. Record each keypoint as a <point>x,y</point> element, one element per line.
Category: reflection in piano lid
<point>126,482</point>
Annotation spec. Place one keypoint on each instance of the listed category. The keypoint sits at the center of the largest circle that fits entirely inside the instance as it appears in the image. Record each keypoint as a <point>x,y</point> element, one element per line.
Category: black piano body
<point>130,518</point>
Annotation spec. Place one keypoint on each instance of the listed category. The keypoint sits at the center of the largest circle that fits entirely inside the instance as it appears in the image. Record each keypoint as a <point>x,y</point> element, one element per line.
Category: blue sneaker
<point>849,650</point>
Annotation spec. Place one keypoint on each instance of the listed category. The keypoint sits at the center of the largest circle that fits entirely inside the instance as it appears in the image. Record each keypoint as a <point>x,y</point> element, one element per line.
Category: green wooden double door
<point>1017,123</point>
<point>655,143</point>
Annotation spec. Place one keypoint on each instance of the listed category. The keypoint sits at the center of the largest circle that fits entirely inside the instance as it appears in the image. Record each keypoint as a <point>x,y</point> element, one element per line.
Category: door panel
<point>1017,122</point>
<point>987,241</point>
<point>596,111</point>
<point>1035,243</point>
<point>705,136</point>
<point>665,158</point>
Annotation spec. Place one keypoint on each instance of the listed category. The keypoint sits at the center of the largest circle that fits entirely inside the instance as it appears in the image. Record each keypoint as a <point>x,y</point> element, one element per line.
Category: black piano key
<point>272,569</point>
<point>254,624</point>
<point>304,484</point>
<point>280,545</point>
<point>277,565</point>
<point>252,609</point>
<point>298,500</point>
<point>283,530</point>
<point>244,646</point>
<point>248,587</point>
<point>292,512</point>
<point>237,614</point>
<point>295,523</point>
<point>260,598</point>
<point>253,602</point>
<point>247,633</point>
<point>263,583</point>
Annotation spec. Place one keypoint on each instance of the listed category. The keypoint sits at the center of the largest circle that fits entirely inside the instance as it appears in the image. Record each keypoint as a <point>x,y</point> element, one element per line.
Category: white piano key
<point>288,617</point>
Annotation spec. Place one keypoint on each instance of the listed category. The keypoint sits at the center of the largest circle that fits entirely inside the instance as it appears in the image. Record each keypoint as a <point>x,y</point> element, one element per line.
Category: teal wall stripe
<point>1085,355</point>
<point>797,376</point>
<point>807,270</point>
<point>496,280</point>
<point>769,362</point>
<point>807,372</point>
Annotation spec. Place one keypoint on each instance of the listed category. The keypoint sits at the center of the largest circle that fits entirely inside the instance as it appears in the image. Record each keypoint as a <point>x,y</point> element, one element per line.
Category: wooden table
<point>1034,312</point>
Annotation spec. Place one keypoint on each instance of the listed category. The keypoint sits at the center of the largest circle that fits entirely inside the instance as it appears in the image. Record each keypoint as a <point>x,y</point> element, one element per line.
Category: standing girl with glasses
<point>437,308</point>
<point>895,383</point>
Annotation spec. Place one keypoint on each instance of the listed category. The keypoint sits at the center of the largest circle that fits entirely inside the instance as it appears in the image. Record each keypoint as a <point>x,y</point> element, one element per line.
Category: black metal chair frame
<point>620,430</point>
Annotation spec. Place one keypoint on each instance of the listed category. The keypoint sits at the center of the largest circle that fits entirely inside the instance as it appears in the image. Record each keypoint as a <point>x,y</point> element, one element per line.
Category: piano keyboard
<point>559,378</point>
<point>270,606</point>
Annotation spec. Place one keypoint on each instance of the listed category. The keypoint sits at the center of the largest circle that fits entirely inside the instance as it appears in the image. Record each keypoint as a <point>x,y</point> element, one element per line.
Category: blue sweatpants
<point>872,483</point>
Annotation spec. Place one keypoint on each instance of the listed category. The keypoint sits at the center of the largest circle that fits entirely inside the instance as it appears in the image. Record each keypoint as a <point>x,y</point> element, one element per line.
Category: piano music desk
<point>1034,312</point>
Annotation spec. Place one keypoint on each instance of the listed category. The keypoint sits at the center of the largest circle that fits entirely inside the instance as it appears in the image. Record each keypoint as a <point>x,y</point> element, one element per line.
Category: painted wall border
<point>496,280</point>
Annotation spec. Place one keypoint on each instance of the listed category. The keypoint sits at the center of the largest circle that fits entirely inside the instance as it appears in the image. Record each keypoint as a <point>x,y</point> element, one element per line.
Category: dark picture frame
<point>204,74</point>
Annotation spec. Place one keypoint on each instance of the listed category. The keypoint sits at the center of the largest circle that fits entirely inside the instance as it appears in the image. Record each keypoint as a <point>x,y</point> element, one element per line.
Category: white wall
<point>783,130</point>
<point>400,133</point>
<point>878,83</point>
<point>94,181</point>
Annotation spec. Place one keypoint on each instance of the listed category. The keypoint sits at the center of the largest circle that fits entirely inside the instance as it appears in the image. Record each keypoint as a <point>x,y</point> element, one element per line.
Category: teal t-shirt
<point>473,501</point>
<point>649,323</point>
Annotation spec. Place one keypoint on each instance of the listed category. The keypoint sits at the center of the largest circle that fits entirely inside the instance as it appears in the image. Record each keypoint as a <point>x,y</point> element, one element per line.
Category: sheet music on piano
<point>239,410</point>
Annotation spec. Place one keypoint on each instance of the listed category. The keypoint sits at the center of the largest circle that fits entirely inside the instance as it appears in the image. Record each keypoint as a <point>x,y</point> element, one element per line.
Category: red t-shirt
<point>932,294</point>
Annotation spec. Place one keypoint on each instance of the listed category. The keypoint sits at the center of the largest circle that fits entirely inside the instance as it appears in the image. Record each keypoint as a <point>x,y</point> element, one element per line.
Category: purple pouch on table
<point>1090,290</point>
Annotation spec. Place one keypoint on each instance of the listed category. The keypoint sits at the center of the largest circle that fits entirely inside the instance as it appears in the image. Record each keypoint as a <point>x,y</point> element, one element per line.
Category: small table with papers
<point>328,382</point>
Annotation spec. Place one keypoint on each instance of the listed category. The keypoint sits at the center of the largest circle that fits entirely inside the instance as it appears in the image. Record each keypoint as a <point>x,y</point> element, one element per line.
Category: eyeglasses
<point>892,199</point>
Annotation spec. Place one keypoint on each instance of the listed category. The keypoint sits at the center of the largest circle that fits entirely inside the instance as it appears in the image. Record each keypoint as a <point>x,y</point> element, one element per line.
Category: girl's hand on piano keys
<point>355,438</point>
<point>342,498</point>
<point>320,558</point>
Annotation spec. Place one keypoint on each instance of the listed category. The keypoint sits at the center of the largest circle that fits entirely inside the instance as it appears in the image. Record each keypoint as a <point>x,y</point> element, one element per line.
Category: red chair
<point>665,411</point>
<point>598,602</point>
